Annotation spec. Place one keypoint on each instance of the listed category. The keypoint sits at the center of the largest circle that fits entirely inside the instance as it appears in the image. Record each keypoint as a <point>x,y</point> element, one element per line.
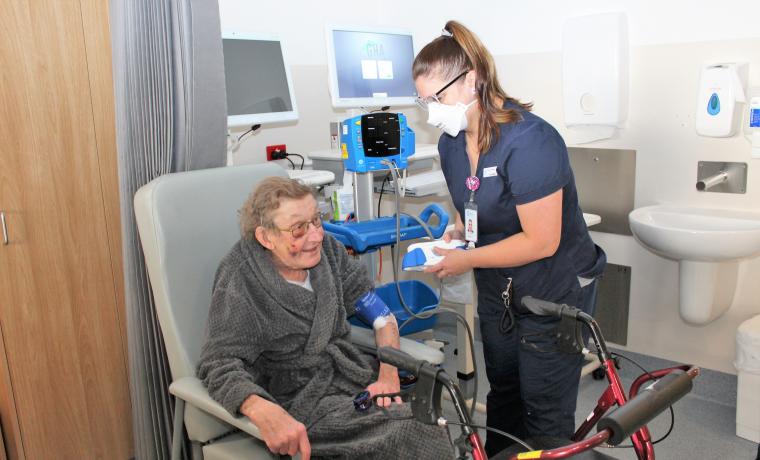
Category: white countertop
<point>591,219</point>
<point>314,177</point>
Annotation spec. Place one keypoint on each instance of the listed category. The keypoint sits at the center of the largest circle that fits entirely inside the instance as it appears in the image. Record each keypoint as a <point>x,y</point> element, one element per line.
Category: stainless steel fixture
<point>721,177</point>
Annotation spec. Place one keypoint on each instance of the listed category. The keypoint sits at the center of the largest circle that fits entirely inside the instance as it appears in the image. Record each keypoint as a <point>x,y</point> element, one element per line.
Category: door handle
<point>5,228</point>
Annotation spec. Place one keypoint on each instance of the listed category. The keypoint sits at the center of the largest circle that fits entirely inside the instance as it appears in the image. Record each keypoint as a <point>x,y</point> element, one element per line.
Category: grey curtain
<point>170,116</point>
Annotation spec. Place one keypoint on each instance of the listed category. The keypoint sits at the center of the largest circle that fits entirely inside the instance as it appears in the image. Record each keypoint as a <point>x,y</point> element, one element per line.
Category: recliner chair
<point>187,222</point>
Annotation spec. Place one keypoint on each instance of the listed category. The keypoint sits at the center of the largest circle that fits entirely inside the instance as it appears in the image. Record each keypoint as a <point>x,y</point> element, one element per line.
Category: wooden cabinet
<point>64,391</point>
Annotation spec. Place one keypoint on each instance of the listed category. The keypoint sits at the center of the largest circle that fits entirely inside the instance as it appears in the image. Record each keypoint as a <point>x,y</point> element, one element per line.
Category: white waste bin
<point>748,392</point>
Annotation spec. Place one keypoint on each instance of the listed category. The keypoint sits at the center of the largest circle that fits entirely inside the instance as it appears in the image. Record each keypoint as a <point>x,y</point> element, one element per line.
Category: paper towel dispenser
<point>595,74</point>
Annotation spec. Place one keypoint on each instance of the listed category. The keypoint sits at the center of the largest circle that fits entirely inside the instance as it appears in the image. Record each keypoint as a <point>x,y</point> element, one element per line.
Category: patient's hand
<point>282,434</point>
<point>387,382</point>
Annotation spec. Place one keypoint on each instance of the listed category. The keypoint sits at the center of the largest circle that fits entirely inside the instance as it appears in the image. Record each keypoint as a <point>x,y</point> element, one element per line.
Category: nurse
<point>509,177</point>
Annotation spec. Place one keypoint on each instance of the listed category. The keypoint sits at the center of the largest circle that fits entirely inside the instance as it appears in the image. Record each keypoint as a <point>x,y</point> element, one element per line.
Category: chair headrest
<point>187,223</point>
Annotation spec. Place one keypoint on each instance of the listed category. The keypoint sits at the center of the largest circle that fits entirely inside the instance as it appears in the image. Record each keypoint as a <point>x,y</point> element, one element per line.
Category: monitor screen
<point>259,87</point>
<point>370,67</point>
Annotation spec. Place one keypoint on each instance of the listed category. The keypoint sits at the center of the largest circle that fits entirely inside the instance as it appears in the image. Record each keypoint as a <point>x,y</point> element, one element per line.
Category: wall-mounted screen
<point>257,78</point>
<point>370,67</point>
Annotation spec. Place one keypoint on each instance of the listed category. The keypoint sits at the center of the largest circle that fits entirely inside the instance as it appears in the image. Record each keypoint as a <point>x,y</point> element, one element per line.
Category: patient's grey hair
<point>258,209</point>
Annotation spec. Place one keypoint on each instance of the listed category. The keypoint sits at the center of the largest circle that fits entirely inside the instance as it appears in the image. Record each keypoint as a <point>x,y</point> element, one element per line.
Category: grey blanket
<point>271,338</point>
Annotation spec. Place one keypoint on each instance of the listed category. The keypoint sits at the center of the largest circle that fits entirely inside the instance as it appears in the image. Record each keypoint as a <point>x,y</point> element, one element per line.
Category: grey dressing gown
<point>280,341</point>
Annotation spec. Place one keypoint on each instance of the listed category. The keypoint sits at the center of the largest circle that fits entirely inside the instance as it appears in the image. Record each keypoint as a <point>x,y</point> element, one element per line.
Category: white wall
<point>660,127</point>
<point>504,27</point>
<point>669,41</point>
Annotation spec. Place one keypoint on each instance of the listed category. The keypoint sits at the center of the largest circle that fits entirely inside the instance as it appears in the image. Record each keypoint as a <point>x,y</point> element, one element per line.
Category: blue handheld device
<point>367,140</point>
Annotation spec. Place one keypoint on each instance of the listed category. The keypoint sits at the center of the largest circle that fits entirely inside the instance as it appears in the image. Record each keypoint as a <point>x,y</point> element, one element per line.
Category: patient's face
<point>297,253</point>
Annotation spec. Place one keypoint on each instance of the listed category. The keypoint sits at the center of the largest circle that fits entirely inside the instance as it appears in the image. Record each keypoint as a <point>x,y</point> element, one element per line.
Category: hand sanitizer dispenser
<point>720,100</point>
<point>752,127</point>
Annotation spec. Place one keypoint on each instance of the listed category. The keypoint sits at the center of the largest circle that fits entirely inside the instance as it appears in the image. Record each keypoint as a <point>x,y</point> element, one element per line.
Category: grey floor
<point>704,419</point>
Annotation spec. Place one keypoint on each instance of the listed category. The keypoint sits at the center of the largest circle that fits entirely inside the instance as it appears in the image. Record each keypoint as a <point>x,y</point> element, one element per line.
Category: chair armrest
<point>365,339</point>
<point>192,391</point>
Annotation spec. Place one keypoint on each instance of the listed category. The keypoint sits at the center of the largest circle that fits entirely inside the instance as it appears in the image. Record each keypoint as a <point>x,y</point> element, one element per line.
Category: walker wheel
<point>598,374</point>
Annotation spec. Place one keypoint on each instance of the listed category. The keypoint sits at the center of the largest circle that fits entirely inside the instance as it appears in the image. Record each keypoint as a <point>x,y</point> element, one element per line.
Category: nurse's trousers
<point>534,387</point>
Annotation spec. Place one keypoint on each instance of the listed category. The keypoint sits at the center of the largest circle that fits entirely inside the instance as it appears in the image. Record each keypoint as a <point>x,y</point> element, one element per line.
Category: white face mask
<point>451,119</point>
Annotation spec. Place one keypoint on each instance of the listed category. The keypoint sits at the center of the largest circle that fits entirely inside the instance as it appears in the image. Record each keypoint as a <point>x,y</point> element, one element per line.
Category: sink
<point>708,235</point>
<point>707,243</point>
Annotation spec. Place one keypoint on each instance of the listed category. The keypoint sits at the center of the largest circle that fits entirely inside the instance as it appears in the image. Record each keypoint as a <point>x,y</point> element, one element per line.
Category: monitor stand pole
<point>363,210</point>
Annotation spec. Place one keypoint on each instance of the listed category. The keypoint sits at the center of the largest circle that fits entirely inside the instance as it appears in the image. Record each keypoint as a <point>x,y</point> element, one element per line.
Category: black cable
<point>672,412</point>
<point>429,314</point>
<point>483,427</point>
<point>448,433</point>
<point>382,190</point>
<point>381,109</point>
<point>253,128</point>
<point>424,315</point>
<point>291,162</point>
<point>297,155</point>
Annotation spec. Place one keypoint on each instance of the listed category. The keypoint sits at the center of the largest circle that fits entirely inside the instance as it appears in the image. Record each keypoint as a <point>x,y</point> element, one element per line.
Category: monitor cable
<point>250,131</point>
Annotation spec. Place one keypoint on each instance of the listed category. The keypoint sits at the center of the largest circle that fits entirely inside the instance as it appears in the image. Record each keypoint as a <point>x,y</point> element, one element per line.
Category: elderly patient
<point>278,349</point>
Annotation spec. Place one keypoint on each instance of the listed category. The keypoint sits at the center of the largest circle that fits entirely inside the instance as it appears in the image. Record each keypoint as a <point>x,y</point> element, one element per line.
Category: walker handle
<point>399,360</point>
<point>625,420</point>
<point>544,308</point>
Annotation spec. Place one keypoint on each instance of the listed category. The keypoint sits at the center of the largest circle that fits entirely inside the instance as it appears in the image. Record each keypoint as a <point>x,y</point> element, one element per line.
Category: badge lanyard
<point>471,210</point>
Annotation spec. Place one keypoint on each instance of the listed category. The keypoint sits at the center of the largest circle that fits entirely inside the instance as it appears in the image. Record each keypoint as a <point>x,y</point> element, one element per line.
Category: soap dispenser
<point>721,98</point>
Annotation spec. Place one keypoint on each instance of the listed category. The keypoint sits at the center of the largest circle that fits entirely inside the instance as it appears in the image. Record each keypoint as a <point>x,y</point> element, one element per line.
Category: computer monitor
<point>370,67</point>
<point>259,87</point>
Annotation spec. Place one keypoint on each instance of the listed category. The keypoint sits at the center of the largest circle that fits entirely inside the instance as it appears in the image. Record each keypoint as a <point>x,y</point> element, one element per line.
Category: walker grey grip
<point>542,307</point>
<point>399,359</point>
<point>625,420</point>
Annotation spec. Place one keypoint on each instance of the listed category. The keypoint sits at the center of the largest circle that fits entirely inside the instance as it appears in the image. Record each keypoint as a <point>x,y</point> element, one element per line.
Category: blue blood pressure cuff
<point>371,309</point>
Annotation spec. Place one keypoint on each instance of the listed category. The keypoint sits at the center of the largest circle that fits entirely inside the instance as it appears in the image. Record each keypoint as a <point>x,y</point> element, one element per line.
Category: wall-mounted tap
<point>710,182</point>
<point>722,177</point>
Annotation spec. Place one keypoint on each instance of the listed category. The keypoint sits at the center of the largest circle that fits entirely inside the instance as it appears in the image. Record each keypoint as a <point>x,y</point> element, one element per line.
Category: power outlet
<point>273,150</point>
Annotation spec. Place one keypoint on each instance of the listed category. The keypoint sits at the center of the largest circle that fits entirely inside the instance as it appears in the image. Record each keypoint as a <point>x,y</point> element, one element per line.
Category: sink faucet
<point>710,182</point>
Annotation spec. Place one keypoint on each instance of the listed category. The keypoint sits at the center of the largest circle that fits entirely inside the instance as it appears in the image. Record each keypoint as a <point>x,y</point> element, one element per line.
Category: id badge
<point>471,221</point>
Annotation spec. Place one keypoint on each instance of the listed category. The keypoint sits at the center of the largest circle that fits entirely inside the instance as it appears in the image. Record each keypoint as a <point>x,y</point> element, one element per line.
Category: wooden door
<point>8,414</point>
<point>60,274</point>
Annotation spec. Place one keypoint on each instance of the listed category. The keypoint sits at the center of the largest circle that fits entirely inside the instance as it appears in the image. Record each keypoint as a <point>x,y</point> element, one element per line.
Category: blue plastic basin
<point>417,295</point>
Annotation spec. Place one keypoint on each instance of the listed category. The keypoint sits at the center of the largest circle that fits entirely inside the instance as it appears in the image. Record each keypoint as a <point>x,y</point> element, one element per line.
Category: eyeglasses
<point>300,229</point>
<point>426,101</point>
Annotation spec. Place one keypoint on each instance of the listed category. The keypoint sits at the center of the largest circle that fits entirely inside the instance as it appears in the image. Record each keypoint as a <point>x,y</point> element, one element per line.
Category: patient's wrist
<point>252,404</point>
<point>387,372</point>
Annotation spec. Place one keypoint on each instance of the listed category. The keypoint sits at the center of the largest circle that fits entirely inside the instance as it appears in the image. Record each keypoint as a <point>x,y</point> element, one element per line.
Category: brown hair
<point>265,199</point>
<point>448,56</point>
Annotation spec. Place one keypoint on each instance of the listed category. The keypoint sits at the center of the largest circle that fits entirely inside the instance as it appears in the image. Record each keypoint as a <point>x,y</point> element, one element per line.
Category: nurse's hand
<point>453,235</point>
<point>455,262</point>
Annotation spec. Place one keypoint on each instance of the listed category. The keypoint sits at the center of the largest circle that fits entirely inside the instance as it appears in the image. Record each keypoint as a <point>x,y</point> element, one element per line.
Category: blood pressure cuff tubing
<point>371,310</point>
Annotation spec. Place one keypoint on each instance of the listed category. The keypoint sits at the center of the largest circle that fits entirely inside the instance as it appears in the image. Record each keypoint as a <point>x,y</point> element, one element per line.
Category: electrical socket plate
<point>274,148</point>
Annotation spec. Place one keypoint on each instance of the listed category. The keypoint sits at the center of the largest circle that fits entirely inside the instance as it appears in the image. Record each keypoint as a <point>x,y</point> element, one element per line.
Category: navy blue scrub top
<point>531,162</point>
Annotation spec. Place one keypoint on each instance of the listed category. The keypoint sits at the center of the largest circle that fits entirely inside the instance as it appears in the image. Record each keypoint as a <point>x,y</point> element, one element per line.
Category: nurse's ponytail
<point>459,50</point>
